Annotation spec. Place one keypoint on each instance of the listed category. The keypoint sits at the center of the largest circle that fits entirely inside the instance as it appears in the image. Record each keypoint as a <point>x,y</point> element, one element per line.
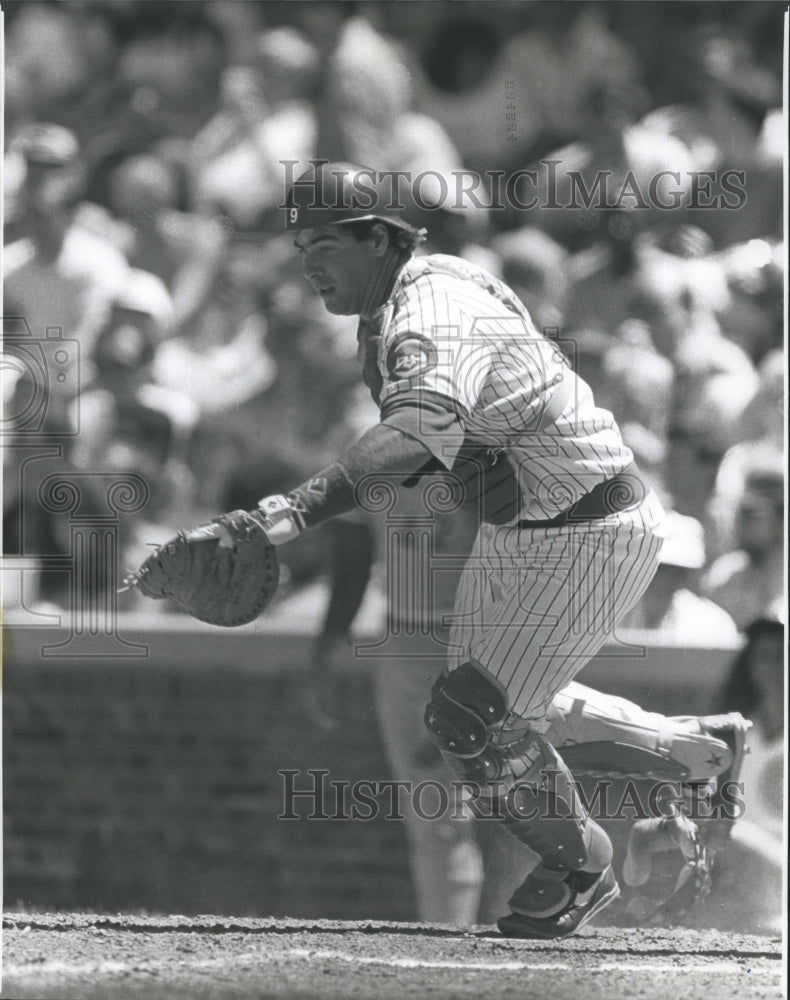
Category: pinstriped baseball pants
<point>534,605</point>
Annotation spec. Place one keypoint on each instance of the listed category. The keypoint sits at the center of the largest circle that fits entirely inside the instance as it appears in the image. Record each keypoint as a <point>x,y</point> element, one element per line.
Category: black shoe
<point>582,907</point>
<point>733,730</point>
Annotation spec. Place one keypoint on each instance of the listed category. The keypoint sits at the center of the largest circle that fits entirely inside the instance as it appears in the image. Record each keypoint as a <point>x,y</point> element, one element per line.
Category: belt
<point>621,492</point>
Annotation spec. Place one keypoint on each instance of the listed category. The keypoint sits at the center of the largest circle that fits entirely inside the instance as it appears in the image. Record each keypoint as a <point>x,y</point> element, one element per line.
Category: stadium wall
<point>151,782</point>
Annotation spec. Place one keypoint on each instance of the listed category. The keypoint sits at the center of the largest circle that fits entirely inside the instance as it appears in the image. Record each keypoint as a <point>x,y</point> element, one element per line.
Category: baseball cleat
<point>730,729</point>
<point>584,904</point>
<point>733,730</point>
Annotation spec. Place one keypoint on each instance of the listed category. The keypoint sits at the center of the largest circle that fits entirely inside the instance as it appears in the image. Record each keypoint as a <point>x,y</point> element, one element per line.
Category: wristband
<point>328,493</point>
<point>281,522</point>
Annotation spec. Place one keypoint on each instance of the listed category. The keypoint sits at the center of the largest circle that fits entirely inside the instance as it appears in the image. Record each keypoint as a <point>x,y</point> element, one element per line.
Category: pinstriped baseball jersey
<point>534,604</point>
<point>455,337</point>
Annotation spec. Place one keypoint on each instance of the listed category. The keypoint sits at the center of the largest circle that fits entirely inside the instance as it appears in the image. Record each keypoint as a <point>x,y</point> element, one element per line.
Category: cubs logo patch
<point>410,355</point>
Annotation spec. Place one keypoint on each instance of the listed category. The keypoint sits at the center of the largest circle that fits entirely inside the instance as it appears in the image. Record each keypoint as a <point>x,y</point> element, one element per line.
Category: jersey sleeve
<point>432,371</point>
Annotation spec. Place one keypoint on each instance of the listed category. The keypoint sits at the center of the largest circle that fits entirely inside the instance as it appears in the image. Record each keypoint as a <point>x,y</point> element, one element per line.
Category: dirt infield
<point>220,958</point>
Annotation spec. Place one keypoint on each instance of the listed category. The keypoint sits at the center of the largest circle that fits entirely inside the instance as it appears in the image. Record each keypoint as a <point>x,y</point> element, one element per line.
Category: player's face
<point>338,266</point>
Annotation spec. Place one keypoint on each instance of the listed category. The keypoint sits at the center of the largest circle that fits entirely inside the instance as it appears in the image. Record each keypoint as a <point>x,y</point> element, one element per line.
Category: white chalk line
<point>109,967</point>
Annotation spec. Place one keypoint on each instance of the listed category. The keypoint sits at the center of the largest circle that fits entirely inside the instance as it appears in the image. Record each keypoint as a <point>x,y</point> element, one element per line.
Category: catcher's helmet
<point>333,193</point>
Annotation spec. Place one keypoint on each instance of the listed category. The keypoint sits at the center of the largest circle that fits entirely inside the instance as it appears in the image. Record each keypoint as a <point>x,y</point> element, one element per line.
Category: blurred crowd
<point>156,321</point>
<point>143,144</point>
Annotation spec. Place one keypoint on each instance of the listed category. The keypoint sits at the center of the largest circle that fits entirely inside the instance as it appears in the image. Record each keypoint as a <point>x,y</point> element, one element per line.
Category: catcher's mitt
<point>224,572</point>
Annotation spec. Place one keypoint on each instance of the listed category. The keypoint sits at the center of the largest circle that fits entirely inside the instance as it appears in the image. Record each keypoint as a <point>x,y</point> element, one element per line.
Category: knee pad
<point>465,706</point>
<point>541,808</point>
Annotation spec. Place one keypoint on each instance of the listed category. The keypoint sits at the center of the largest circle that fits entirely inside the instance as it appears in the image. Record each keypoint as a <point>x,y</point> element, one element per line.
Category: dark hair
<point>740,691</point>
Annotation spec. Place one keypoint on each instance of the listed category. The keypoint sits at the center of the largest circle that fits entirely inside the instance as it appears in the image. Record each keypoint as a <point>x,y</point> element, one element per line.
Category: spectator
<point>367,110</point>
<point>615,149</point>
<point>538,270</point>
<point>471,63</point>
<point>721,76</point>
<point>586,349</point>
<point>123,415</point>
<point>670,605</point>
<point>129,424</point>
<point>263,118</point>
<point>213,454</point>
<point>714,384</point>
<point>679,261</point>
<point>369,89</point>
<point>728,94</point>
<point>753,861</point>
<point>169,68</point>
<point>601,280</point>
<point>676,286</point>
<point>756,685</point>
<point>639,381</point>
<point>240,24</point>
<point>119,422</point>
<point>223,353</point>
<point>59,65</point>
<point>752,314</point>
<point>749,581</point>
<point>315,354</point>
<point>181,248</point>
<point>31,531</point>
<point>761,443</point>
<point>58,274</point>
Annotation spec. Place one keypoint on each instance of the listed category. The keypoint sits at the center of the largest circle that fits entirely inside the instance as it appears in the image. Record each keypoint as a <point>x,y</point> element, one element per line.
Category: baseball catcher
<point>569,538</point>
